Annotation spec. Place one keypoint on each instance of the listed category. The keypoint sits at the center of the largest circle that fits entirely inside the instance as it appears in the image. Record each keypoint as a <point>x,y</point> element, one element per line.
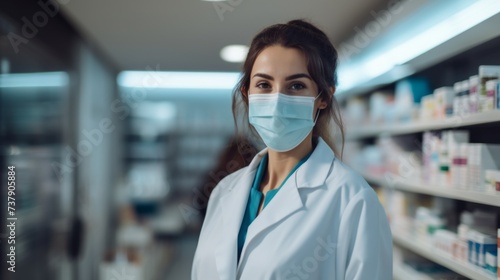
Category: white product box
<point>474,84</point>
<point>443,97</point>
<point>491,179</point>
<point>453,140</point>
<point>491,95</point>
<point>460,174</point>
<point>480,158</point>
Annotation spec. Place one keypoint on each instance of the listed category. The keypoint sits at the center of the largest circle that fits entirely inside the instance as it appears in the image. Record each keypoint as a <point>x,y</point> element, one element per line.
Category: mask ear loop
<point>317,114</point>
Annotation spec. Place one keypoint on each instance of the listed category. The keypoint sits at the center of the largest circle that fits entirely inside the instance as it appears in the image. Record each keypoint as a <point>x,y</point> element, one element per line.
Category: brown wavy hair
<point>321,57</point>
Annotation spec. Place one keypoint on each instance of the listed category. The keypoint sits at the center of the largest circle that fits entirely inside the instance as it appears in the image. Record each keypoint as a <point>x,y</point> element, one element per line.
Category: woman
<point>297,211</point>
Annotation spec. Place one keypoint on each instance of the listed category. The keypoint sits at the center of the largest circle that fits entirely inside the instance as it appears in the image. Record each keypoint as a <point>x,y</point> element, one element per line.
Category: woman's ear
<point>332,90</point>
<point>324,101</point>
<point>322,104</point>
<point>244,93</point>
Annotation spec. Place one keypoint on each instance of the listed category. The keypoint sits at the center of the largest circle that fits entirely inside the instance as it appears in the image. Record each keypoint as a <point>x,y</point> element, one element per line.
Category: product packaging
<point>497,183</point>
<point>498,95</point>
<point>471,247</point>
<point>490,260</point>
<point>491,95</point>
<point>378,103</point>
<point>480,158</point>
<point>486,73</point>
<point>460,250</point>
<point>451,141</point>
<point>444,241</point>
<point>492,181</point>
<point>427,109</point>
<point>444,97</point>
<point>457,102</point>
<point>474,101</point>
<point>484,244</point>
<point>460,167</point>
<point>498,254</point>
<point>461,100</point>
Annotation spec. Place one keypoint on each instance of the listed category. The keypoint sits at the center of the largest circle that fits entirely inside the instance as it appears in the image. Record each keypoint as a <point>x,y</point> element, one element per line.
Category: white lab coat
<point>325,222</point>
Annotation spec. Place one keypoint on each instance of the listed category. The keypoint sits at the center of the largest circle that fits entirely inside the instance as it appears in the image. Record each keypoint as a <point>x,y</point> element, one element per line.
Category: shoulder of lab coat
<point>365,239</point>
<point>224,186</point>
<point>232,180</point>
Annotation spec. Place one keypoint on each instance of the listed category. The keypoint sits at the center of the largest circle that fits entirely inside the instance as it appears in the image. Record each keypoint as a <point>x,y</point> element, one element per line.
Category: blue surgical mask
<point>282,121</point>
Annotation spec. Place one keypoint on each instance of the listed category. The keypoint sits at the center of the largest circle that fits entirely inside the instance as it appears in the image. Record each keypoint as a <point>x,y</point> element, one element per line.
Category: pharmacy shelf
<point>405,272</point>
<point>427,251</point>
<point>402,272</point>
<point>373,130</point>
<point>441,191</point>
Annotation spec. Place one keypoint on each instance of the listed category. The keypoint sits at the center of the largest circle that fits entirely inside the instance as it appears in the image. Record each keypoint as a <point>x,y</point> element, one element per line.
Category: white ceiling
<point>188,35</point>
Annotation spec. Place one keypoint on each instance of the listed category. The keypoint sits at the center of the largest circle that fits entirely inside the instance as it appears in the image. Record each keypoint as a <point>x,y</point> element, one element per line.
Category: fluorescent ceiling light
<point>234,53</point>
<point>449,28</point>
<point>42,79</point>
<point>178,80</point>
<point>419,44</point>
<point>162,111</point>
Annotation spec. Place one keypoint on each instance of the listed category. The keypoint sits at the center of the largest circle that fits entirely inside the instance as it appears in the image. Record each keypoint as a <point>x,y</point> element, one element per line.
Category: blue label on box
<point>498,95</point>
<point>472,251</point>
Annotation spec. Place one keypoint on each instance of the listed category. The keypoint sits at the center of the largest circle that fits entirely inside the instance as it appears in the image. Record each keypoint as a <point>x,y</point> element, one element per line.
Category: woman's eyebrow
<point>265,76</point>
<point>297,76</point>
<point>291,77</point>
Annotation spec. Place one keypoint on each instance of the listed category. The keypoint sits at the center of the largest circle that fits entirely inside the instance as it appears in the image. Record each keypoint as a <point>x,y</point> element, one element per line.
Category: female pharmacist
<point>297,211</point>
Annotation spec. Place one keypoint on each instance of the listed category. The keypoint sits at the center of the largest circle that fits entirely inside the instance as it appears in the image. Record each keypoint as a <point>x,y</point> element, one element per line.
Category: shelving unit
<point>402,272</point>
<point>430,253</point>
<point>405,272</point>
<point>441,191</point>
<point>421,126</point>
<point>449,61</point>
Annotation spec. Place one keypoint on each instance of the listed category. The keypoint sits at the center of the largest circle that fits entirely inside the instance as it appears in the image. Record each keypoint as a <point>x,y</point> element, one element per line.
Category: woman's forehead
<point>280,62</point>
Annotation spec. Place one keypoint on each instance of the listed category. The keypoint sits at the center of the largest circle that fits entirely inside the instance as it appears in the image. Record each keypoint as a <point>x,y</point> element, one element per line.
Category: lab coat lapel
<point>233,207</point>
<point>288,200</point>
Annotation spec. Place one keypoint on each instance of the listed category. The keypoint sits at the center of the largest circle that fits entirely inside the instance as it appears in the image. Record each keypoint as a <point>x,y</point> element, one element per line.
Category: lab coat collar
<point>313,172</point>
<point>287,201</point>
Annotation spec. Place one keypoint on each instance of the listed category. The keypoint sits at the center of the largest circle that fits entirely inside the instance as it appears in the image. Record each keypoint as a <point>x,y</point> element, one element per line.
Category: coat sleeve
<point>365,240</point>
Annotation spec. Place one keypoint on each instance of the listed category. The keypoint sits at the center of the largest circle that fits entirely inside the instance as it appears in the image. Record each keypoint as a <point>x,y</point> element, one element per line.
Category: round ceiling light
<point>234,53</point>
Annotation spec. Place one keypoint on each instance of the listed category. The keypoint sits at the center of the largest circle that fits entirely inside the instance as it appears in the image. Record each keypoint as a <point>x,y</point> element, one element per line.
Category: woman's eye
<point>263,85</point>
<point>297,86</point>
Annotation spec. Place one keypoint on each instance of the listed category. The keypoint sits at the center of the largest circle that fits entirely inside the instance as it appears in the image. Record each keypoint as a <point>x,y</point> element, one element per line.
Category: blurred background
<point>116,124</point>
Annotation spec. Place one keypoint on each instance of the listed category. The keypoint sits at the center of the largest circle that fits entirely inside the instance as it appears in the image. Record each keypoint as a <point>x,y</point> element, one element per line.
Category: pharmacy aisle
<point>429,143</point>
<point>442,197</point>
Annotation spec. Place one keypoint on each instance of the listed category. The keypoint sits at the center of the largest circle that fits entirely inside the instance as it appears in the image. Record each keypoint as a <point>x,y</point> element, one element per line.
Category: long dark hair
<point>321,59</point>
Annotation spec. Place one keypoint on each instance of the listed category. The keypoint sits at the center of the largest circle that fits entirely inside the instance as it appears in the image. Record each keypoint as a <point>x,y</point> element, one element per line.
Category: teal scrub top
<point>256,196</point>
